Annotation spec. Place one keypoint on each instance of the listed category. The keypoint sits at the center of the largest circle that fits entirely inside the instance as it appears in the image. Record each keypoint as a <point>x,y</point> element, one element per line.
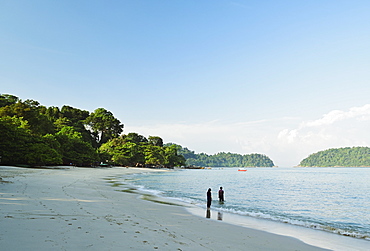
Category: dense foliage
<point>225,159</point>
<point>32,134</point>
<point>344,157</point>
<point>135,150</point>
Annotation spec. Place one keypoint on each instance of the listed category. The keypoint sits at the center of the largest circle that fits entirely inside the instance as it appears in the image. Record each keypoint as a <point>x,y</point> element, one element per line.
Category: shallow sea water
<point>335,200</point>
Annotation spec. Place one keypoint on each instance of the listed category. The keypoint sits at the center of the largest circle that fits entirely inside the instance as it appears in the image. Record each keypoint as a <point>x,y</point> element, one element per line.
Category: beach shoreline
<point>87,209</point>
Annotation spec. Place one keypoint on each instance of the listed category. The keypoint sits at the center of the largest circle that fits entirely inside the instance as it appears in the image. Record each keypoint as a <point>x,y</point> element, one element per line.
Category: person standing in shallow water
<point>221,195</point>
<point>209,198</point>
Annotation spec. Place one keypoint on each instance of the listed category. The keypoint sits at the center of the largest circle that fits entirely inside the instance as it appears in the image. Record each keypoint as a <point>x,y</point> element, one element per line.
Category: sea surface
<point>335,200</point>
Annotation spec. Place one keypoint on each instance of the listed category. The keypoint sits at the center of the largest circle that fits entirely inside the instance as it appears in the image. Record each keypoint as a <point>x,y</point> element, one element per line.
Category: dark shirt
<point>209,195</point>
<point>209,198</point>
<point>221,194</point>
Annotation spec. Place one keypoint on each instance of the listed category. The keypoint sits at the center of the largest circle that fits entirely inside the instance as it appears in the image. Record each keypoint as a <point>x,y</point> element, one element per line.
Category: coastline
<point>314,237</point>
<point>86,209</point>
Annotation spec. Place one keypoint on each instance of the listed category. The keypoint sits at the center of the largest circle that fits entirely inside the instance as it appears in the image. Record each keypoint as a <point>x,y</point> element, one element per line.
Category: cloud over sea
<point>285,140</point>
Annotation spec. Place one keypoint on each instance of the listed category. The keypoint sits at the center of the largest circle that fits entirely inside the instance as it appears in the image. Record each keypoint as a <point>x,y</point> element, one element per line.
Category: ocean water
<point>335,200</point>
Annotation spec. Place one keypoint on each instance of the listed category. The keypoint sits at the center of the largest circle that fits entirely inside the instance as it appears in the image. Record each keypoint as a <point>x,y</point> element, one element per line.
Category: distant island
<point>35,135</point>
<point>223,159</point>
<point>339,157</point>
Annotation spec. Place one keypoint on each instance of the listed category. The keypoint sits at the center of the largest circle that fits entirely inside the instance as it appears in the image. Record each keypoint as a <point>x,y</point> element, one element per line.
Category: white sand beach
<point>84,209</point>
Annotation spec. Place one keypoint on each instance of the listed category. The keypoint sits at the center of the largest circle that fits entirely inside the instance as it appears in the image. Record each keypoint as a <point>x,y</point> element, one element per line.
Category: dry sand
<point>86,209</point>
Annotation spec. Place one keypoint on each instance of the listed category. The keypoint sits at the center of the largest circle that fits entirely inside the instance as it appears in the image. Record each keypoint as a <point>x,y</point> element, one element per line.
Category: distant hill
<point>339,157</point>
<point>225,159</point>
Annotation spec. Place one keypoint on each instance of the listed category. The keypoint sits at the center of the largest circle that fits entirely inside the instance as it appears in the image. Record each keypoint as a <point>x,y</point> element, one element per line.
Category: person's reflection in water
<point>219,216</point>
<point>208,213</point>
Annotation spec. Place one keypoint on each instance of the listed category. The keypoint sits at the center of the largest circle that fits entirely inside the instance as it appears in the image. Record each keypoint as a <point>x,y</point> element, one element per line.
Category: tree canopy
<point>343,157</point>
<point>103,125</point>
<point>223,159</point>
<point>135,150</point>
<point>33,134</point>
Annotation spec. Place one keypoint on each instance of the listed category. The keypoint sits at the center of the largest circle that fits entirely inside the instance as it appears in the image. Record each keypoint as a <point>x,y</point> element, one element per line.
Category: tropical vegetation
<point>223,159</point>
<point>339,157</point>
<point>32,134</point>
<point>35,135</point>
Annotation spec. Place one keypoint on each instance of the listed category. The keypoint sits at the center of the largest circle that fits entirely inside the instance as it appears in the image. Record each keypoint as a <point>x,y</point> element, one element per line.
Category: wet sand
<point>87,209</point>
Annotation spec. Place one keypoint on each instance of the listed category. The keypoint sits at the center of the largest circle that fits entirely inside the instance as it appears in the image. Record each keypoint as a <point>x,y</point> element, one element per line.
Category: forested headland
<point>225,159</point>
<point>35,135</point>
<point>339,157</point>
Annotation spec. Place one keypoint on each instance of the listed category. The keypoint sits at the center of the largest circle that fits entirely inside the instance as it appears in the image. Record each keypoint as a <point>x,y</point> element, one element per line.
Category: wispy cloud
<point>337,128</point>
<point>336,119</point>
<point>357,113</point>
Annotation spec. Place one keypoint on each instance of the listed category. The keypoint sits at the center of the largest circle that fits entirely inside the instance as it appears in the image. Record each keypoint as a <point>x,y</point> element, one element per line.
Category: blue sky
<point>282,78</point>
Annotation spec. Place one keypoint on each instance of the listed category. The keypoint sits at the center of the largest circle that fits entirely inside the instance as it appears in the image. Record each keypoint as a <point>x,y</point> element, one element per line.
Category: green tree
<point>155,141</point>
<point>346,157</point>
<point>154,155</point>
<point>73,114</point>
<point>52,113</point>
<point>7,99</point>
<point>19,146</point>
<point>135,138</point>
<point>74,150</point>
<point>13,144</point>
<point>103,126</point>
<point>172,158</point>
<point>40,153</point>
<point>123,152</point>
<point>29,110</point>
<point>70,116</point>
<point>185,152</point>
<point>223,159</point>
